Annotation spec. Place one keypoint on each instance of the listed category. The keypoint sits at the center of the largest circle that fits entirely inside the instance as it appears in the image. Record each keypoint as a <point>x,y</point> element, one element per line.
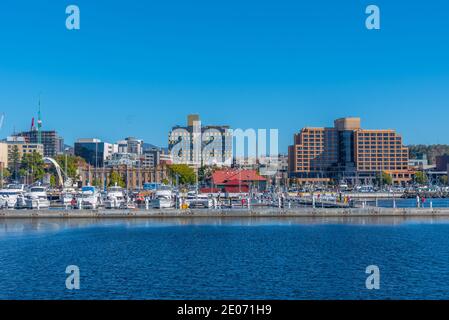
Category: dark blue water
<point>411,203</point>
<point>225,259</point>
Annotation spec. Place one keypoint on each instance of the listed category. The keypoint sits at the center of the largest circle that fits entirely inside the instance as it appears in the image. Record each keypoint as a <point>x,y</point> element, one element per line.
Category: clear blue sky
<point>139,67</point>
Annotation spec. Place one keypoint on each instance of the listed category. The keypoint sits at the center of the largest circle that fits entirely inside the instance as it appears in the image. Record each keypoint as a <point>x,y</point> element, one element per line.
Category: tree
<point>432,151</point>
<point>33,164</point>
<point>73,163</point>
<point>420,177</point>
<point>97,183</point>
<point>116,178</point>
<point>386,179</point>
<point>6,173</point>
<point>22,173</point>
<point>444,180</point>
<point>186,175</point>
<point>52,181</point>
<point>205,172</point>
<point>15,162</point>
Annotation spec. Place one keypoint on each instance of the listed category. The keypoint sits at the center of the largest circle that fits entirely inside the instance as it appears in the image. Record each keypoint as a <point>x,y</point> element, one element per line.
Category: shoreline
<point>231,213</point>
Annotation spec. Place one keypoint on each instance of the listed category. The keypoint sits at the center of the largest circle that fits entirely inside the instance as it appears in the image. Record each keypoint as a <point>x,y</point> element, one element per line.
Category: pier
<point>236,213</point>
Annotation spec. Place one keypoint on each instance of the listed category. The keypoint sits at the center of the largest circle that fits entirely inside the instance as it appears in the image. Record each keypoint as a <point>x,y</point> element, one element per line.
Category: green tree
<point>22,173</point>
<point>6,173</point>
<point>73,163</point>
<point>116,178</point>
<point>186,175</point>
<point>386,179</point>
<point>444,180</point>
<point>34,166</point>
<point>15,162</point>
<point>52,181</point>
<point>420,177</point>
<point>97,183</point>
<point>205,172</point>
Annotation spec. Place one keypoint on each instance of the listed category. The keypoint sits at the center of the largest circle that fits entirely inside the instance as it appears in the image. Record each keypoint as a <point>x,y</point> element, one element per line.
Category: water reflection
<point>33,226</point>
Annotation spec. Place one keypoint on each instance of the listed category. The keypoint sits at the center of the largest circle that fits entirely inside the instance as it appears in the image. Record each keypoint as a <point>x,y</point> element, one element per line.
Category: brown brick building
<point>134,178</point>
<point>348,152</point>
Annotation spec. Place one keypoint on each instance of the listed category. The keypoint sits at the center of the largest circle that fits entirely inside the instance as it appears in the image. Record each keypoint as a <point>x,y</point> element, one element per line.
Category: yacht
<point>115,198</point>
<point>163,199</point>
<point>10,195</point>
<point>200,200</point>
<point>90,198</point>
<point>36,198</point>
<point>67,195</point>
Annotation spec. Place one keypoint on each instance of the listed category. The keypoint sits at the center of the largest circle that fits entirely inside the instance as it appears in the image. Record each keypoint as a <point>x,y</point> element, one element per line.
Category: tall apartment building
<point>49,139</point>
<point>198,145</point>
<point>348,152</point>
<point>22,147</point>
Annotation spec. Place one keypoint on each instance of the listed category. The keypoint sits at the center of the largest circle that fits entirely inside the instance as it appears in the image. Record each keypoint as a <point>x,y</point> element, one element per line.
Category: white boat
<point>36,198</point>
<point>201,201</point>
<point>115,198</point>
<point>67,195</point>
<point>163,199</point>
<point>90,198</point>
<point>10,195</point>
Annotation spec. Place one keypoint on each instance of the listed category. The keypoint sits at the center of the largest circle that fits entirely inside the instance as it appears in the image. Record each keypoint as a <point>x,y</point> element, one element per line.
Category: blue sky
<point>139,67</point>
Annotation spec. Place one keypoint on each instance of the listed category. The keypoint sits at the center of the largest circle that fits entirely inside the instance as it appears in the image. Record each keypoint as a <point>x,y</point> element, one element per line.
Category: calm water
<point>225,259</point>
<point>411,203</point>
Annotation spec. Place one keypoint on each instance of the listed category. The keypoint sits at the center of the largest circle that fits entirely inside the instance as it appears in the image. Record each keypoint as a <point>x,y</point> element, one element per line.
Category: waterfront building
<point>150,158</point>
<point>49,139</point>
<point>155,156</point>
<point>280,178</point>
<point>442,162</point>
<point>130,145</point>
<point>198,145</point>
<point>21,146</point>
<point>69,150</point>
<point>94,151</point>
<point>3,156</point>
<point>434,176</point>
<point>348,152</point>
<point>123,159</point>
<point>237,180</point>
<point>420,163</point>
<point>133,177</point>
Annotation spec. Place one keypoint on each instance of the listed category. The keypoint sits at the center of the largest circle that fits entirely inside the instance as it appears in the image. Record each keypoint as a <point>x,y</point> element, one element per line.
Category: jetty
<point>220,213</point>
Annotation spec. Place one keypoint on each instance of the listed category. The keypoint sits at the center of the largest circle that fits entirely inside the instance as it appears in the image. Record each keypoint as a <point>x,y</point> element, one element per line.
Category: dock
<point>220,213</point>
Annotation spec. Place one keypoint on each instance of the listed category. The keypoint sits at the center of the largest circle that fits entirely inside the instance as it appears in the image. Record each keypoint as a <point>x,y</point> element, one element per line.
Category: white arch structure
<point>64,179</point>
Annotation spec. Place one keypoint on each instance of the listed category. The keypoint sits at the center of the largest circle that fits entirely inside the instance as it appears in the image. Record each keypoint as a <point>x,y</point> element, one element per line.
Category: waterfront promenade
<point>235,213</point>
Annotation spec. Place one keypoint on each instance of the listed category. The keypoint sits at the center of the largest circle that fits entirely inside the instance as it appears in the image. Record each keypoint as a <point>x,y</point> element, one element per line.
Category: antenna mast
<point>39,123</point>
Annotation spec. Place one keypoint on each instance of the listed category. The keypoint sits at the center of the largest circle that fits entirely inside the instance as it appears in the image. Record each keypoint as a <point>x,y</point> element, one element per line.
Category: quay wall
<point>238,213</point>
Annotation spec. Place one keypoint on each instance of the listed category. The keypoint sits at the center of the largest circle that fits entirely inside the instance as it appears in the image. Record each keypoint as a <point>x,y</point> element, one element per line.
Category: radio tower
<point>39,123</point>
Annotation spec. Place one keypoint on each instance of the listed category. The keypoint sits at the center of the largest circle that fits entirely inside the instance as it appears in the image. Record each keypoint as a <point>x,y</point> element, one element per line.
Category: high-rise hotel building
<point>348,152</point>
